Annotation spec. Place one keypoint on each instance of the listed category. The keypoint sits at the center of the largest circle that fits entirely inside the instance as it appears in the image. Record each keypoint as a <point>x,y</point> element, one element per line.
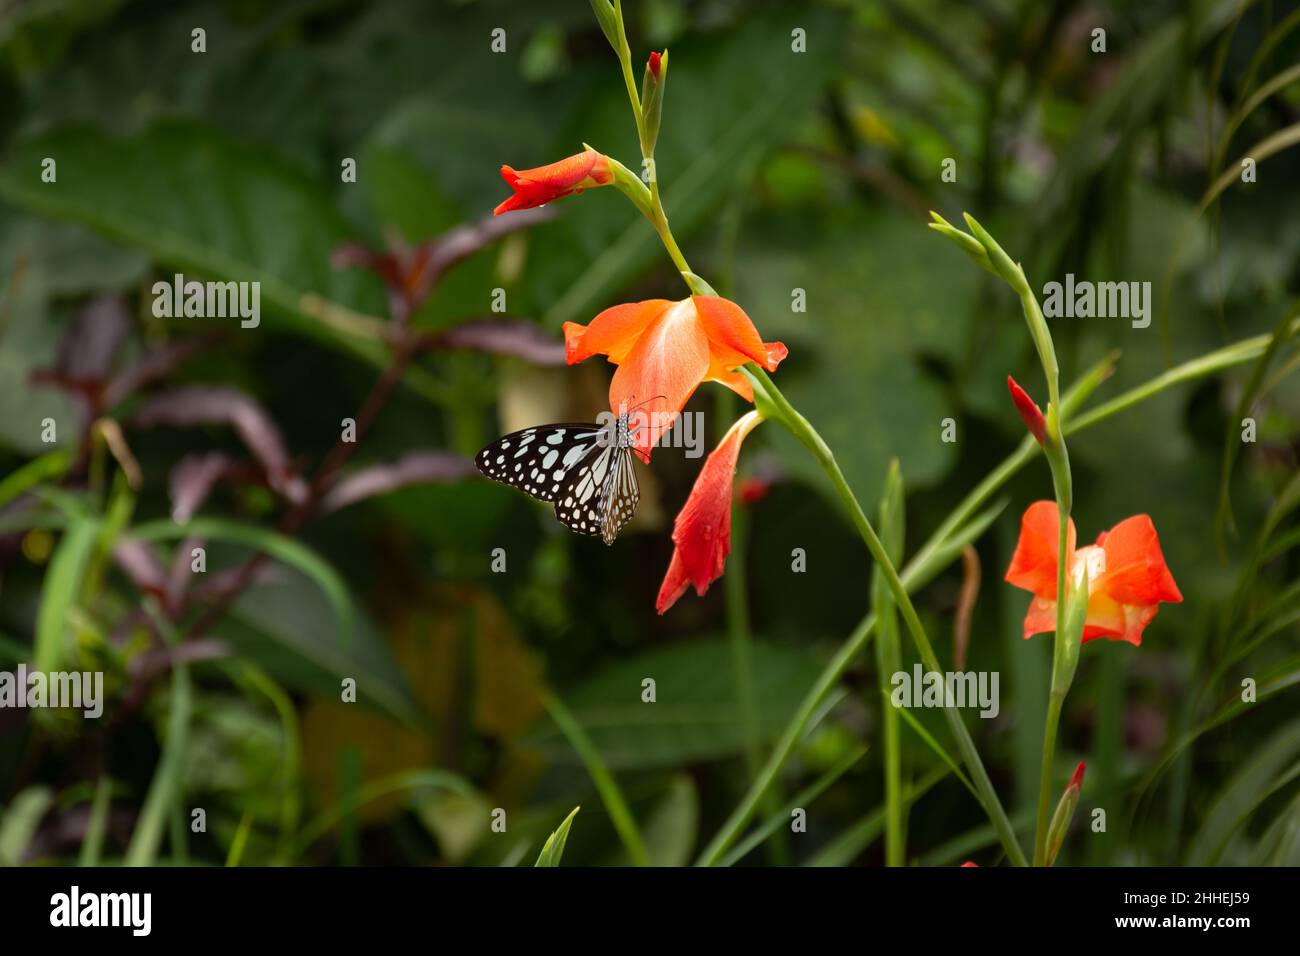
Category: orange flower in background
<point>1127,574</point>
<point>702,531</point>
<point>664,350</point>
<point>536,187</point>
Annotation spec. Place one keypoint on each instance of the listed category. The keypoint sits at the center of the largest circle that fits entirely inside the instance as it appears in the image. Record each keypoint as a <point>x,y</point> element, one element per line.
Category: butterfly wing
<point>540,460</point>
<point>587,474</point>
<point>622,498</point>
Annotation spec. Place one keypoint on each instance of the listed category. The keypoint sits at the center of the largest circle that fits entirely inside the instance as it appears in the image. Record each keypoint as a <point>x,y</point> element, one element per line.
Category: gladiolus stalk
<point>941,548</point>
<point>769,400</point>
<point>986,252</point>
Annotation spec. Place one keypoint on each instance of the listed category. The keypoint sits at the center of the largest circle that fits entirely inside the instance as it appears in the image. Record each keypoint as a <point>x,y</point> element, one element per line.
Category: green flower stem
<point>1058,460</point>
<point>888,659</point>
<point>610,794</point>
<point>933,556</point>
<point>652,208</point>
<point>629,80</point>
<point>804,431</point>
<point>1053,720</point>
<point>936,553</point>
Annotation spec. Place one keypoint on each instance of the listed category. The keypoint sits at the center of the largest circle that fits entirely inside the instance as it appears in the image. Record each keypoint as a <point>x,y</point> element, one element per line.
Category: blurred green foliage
<point>781,171</point>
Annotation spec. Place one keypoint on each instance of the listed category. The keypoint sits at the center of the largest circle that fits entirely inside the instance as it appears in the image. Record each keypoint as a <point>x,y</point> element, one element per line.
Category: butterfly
<point>585,470</point>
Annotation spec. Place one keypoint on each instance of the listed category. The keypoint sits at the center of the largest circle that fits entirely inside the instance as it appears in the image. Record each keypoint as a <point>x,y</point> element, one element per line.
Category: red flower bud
<point>1077,780</point>
<point>536,187</point>
<point>653,64</point>
<point>1033,418</point>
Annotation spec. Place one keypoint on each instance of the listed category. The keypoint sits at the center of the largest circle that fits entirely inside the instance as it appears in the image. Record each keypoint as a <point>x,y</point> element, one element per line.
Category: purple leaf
<point>417,468</point>
<point>141,565</point>
<point>465,240</point>
<point>92,339</point>
<point>502,337</point>
<point>220,584</point>
<point>410,272</point>
<point>152,366</point>
<point>192,480</point>
<point>202,404</point>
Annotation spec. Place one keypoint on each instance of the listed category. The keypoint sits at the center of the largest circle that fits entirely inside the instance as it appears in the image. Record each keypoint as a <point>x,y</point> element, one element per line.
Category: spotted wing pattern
<point>584,470</point>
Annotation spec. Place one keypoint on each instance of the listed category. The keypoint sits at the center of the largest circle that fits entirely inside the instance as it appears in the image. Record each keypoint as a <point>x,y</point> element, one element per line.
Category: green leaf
<point>693,717</point>
<point>606,785</point>
<point>406,780</point>
<point>672,825</point>
<point>1269,769</point>
<point>166,785</point>
<point>278,546</point>
<point>61,590</point>
<point>281,627</point>
<point>553,849</point>
<point>92,844</point>
<point>209,206</point>
<point>873,306</point>
<point>45,468</point>
<point>20,820</point>
<point>801,800</point>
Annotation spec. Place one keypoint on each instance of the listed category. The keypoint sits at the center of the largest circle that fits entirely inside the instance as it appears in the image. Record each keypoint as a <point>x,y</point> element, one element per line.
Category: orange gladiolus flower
<point>664,350</point>
<point>702,531</point>
<point>1127,574</point>
<point>536,187</point>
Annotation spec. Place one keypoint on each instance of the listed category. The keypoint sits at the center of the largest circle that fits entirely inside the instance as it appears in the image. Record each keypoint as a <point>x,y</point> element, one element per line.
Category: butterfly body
<point>584,470</point>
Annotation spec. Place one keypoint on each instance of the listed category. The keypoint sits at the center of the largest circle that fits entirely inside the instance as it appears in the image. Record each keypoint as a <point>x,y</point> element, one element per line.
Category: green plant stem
<point>629,79</point>
<point>1064,646</point>
<point>931,558</point>
<point>804,431</point>
<point>1059,462</point>
<point>888,662</point>
<point>1054,703</point>
<point>606,785</point>
<point>92,845</point>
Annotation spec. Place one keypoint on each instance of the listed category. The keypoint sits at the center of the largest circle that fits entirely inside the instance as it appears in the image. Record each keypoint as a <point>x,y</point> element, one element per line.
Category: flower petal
<point>733,380</point>
<point>702,531</point>
<point>1033,565</point>
<point>1118,622</point>
<point>733,340</point>
<point>614,332</point>
<point>669,359</point>
<point>1041,616</point>
<point>538,186</point>
<point>1136,573</point>
<point>674,585</point>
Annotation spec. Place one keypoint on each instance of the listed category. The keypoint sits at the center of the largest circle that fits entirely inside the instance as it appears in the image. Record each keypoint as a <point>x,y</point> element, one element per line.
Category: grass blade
<point>553,849</point>
<point>606,786</point>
